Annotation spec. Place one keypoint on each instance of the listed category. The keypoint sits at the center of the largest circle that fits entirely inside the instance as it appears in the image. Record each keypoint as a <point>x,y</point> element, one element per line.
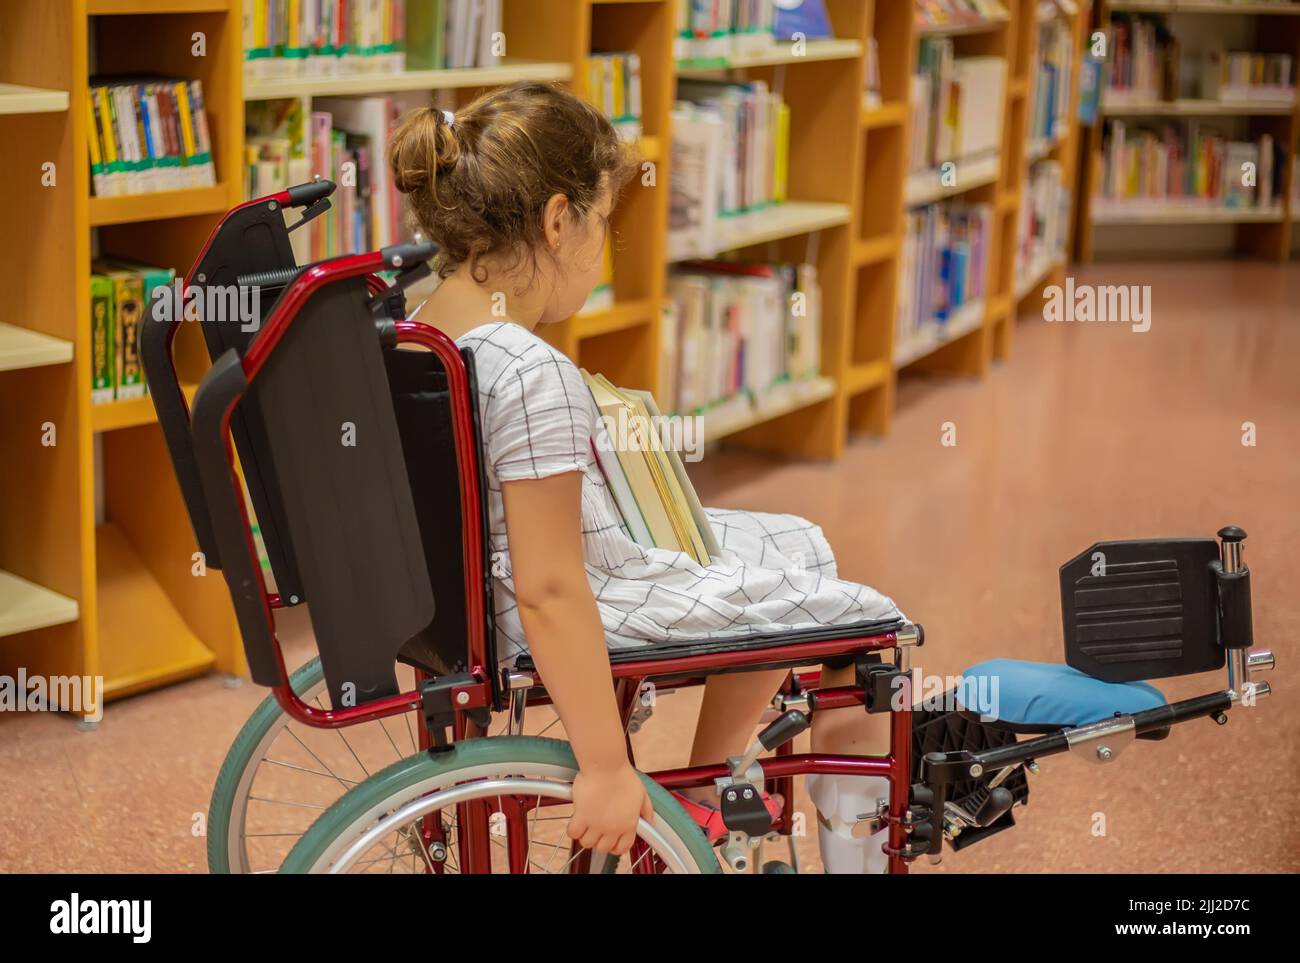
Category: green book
<point>424,35</point>
<point>151,280</point>
<point>128,312</point>
<point>101,339</point>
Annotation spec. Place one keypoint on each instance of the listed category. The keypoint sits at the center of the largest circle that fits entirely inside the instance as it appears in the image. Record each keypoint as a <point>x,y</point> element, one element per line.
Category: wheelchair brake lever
<point>313,211</point>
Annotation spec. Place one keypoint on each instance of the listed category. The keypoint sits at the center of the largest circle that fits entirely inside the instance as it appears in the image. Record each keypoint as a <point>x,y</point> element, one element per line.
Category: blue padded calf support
<point>1047,694</point>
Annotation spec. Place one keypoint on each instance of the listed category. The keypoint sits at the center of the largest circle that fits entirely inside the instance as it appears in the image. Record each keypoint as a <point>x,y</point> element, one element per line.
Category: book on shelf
<point>934,14</point>
<point>321,38</point>
<point>806,19</point>
<point>1188,163</point>
<point>345,140</point>
<point>1242,77</point>
<point>123,297</point>
<point>1145,60</point>
<point>737,329</point>
<point>147,135</point>
<point>1042,219</point>
<point>956,105</point>
<point>731,149</point>
<point>614,88</point>
<point>1050,104</point>
<point>871,96</point>
<point>944,265</point>
<point>717,29</point>
<point>646,477</point>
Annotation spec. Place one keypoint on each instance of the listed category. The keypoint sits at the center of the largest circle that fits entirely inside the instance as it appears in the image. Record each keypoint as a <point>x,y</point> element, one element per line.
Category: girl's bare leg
<point>733,704</point>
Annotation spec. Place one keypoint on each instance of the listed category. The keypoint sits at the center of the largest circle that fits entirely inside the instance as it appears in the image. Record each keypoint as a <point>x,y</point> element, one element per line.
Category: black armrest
<point>222,386</point>
<point>169,402</point>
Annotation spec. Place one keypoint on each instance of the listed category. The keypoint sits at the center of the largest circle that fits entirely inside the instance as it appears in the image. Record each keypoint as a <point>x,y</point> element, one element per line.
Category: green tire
<point>222,818</point>
<point>497,751</point>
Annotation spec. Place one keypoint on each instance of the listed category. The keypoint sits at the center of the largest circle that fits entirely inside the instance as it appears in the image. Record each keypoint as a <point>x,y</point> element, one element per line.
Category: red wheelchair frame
<point>910,803</point>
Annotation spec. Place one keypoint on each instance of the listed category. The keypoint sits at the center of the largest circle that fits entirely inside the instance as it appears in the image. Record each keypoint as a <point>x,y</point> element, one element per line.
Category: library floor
<point>1091,431</point>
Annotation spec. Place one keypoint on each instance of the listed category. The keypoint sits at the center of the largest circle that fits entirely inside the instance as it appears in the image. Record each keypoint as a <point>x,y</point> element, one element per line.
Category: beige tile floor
<point>1090,432</point>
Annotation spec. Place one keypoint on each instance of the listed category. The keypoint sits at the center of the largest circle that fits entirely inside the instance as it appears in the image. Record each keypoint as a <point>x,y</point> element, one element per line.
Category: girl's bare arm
<point>567,642</point>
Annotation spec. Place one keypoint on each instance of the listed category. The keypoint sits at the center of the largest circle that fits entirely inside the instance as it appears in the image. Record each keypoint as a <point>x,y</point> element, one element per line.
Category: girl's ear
<point>553,217</point>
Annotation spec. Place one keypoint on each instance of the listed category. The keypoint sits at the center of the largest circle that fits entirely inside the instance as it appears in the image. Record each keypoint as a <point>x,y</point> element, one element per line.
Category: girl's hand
<point>606,806</point>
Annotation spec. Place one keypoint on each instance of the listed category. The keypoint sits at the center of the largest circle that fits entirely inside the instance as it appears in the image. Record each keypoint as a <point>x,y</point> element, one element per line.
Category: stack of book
<point>1144,61</point>
<point>1248,78</point>
<point>614,86</point>
<point>937,14</point>
<point>147,136</point>
<point>956,105</point>
<point>944,265</point>
<point>1188,164</point>
<point>1043,216</point>
<point>1050,107</point>
<point>735,330</point>
<point>123,296</point>
<point>646,476</point>
<point>730,161</point>
<point>718,29</point>
<point>314,38</point>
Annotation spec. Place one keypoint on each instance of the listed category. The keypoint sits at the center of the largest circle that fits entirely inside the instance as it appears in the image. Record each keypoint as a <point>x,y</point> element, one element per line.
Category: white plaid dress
<point>775,572</point>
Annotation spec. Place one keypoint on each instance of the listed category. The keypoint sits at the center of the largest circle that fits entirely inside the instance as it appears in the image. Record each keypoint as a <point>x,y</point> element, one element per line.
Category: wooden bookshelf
<point>1267,233</point>
<point>19,99</point>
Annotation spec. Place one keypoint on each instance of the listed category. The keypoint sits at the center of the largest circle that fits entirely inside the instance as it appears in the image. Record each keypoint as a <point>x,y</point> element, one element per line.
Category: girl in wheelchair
<point>517,189</point>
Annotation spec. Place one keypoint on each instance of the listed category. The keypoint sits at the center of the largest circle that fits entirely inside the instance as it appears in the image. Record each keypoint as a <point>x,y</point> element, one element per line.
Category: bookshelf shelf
<point>21,348</point>
<point>18,99</point>
<point>620,317</point>
<point>161,205</point>
<point>775,402</point>
<point>1178,213</point>
<point>967,319</point>
<point>509,72</point>
<point>25,606</point>
<point>1035,274</point>
<point>884,115</point>
<point>866,377</point>
<point>1279,8</point>
<point>781,54</point>
<point>110,7</point>
<point>115,415</point>
<point>964,27</point>
<point>1193,108</point>
<point>1041,148</point>
<point>926,187</point>
<point>874,249</point>
<point>790,219</point>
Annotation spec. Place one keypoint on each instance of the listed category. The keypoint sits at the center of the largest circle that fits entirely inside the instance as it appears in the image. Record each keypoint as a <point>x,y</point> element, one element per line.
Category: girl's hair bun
<point>422,146</point>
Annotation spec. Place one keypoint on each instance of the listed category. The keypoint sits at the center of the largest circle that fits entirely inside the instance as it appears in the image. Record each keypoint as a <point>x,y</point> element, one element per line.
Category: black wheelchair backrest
<point>1151,609</point>
<point>320,451</point>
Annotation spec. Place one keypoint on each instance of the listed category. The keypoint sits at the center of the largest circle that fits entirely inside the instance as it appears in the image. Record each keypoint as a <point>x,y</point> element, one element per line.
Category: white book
<point>368,116</point>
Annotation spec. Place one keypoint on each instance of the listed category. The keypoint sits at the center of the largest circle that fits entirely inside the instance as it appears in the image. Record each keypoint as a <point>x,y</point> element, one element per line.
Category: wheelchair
<point>341,440</point>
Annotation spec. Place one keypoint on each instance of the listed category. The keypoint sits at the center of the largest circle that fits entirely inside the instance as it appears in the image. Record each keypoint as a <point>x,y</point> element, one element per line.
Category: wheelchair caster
<point>774,867</point>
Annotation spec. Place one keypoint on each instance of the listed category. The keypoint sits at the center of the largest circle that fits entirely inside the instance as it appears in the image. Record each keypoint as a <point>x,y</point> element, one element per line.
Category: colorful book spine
<point>102,353</point>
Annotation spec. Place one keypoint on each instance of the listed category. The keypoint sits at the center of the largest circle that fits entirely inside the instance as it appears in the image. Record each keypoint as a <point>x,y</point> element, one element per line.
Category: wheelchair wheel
<point>489,805</point>
<point>279,775</point>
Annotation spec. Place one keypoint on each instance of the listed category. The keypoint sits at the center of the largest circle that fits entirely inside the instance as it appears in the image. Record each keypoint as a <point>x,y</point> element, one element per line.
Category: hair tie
<point>449,118</point>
